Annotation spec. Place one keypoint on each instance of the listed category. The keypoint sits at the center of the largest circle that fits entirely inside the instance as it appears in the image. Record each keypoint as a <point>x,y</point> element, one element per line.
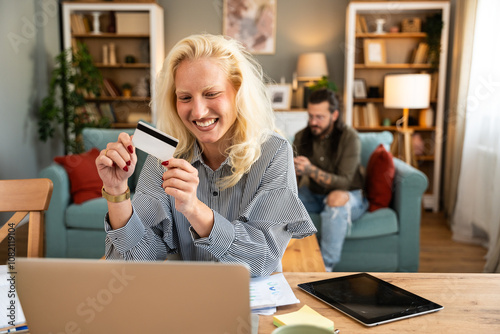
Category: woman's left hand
<point>181,181</point>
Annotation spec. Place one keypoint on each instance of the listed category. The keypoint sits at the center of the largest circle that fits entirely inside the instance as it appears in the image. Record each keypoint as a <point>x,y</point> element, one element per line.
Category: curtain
<point>458,86</point>
<point>476,216</point>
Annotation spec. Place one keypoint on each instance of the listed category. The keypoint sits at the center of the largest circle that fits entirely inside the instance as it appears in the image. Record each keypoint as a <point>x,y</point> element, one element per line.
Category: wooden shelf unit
<point>109,35</point>
<point>393,66</point>
<point>119,98</point>
<point>392,35</point>
<point>147,48</point>
<point>399,47</point>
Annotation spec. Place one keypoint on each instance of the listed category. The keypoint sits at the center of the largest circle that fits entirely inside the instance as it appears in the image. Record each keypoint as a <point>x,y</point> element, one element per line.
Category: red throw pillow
<point>83,177</point>
<point>379,176</point>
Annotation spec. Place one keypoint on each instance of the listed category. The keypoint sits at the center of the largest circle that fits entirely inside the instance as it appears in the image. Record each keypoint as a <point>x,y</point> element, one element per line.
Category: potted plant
<point>73,79</point>
<point>127,90</point>
<point>324,83</point>
<point>321,83</point>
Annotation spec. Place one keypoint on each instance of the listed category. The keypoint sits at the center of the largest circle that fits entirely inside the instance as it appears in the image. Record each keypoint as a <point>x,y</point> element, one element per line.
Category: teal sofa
<point>386,239</point>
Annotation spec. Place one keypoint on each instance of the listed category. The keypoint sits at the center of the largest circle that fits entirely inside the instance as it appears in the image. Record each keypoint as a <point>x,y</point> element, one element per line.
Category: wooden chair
<point>29,196</point>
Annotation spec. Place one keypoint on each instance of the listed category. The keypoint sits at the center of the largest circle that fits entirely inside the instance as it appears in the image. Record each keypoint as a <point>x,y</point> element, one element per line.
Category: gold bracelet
<point>118,198</point>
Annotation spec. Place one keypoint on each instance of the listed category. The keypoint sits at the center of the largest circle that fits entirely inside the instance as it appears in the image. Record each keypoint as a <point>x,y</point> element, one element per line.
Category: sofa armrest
<point>55,228</point>
<point>409,186</point>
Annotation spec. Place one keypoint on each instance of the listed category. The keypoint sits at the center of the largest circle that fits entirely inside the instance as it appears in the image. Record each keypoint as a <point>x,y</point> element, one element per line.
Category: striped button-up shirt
<point>253,220</point>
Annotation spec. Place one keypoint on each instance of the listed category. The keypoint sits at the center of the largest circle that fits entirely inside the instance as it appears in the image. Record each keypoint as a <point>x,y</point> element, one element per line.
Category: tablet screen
<point>368,299</point>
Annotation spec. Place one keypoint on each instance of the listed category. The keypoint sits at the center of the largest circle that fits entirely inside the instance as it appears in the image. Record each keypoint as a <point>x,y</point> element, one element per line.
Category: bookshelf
<point>135,32</point>
<point>404,52</point>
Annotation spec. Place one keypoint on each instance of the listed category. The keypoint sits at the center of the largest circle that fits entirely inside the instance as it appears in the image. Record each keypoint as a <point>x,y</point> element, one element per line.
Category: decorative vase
<point>380,26</point>
<point>96,23</point>
<point>142,87</point>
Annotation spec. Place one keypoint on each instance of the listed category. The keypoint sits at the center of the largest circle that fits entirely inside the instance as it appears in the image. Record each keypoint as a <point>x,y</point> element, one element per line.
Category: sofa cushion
<point>379,178</point>
<point>372,224</point>
<point>375,224</point>
<point>88,215</point>
<point>99,138</point>
<point>85,183</point>
<point>370,141</point>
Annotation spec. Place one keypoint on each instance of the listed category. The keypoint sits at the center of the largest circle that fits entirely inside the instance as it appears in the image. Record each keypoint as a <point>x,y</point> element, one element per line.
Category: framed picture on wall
<point>374,52</point>
<point>281,96</point>
<point>359,89</point>
<point>253,23</point>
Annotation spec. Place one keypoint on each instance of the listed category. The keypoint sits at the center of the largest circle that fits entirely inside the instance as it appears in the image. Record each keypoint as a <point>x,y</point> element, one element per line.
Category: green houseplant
<point>324,83</point>
<point>433,26</point>
<point>73,79</point>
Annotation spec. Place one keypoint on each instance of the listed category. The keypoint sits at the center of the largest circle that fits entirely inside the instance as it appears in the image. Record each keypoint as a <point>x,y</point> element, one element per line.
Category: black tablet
<point>369,299</point>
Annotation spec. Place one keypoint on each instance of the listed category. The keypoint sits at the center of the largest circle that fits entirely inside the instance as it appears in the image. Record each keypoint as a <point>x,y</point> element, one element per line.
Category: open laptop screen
<point>97,296</point>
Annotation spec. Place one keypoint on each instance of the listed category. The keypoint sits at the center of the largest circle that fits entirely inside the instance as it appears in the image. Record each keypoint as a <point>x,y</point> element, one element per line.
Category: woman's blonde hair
<point>254,114</point>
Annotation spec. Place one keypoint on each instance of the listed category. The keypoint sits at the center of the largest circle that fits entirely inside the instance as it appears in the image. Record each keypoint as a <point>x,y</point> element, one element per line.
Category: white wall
<point>30,39</point>
<point>302,26</point>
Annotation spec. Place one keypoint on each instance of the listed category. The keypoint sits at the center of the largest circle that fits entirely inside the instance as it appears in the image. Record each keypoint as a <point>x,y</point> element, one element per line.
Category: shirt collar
<point>197,157</point>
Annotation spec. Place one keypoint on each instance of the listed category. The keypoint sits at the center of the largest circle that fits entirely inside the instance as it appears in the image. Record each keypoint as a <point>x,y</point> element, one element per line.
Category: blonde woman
<point>230,192</point>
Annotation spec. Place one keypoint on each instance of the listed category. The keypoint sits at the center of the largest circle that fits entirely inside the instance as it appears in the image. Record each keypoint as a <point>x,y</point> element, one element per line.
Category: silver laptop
<point>98,296</point>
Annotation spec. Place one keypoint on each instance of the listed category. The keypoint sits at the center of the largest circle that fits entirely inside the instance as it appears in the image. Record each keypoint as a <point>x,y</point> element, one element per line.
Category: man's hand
<point>302,165</point>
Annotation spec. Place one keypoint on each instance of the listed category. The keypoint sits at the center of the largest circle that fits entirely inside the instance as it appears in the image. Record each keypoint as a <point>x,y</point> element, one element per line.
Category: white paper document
<point>12,313</point>
<point>267,293</point>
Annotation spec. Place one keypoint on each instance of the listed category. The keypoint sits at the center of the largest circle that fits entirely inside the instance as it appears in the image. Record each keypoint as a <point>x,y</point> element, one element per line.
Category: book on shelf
<point>361,26</point>
<point>107,111</point>
<point>434,85</point>
<point>421,53</point>
<point>73,21</point>
<point>79,24</point>
<point>365,118</point>
<point>372,114</point>
<point>358,25</point>
<point>365,115</point>
<point>355,115</point>
<point>111,88</point>
<point>360,115</point>
<point>86,24</point>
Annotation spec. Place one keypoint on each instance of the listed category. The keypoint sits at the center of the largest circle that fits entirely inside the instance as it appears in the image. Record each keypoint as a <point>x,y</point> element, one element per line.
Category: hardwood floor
<point>438,252</point>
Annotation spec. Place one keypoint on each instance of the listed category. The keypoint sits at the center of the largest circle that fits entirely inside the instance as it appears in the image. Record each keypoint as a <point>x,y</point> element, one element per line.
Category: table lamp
<point>407,91</point>
<point>311,67</point>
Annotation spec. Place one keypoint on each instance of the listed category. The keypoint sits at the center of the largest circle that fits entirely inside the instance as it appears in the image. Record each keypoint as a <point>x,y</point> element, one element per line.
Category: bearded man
<point>331,179</point>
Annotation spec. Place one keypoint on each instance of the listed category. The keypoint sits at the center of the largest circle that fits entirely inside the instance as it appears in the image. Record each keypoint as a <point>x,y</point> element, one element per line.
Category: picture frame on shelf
<point>280,95</point>
<point>359,89</point>
<point>253,23</point>
<point>374,52</point>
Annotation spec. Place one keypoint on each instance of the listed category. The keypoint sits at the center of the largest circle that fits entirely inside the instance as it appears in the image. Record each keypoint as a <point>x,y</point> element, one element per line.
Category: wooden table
<point>303,255</point>
<point>471,304</point>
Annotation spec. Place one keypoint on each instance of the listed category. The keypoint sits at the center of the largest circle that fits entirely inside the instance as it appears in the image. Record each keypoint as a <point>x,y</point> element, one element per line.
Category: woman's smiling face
<point>205,101</point>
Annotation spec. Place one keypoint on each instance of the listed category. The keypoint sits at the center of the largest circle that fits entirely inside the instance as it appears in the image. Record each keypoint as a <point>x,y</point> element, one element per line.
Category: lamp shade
<point>410,91</point>
<point>312,66</point>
